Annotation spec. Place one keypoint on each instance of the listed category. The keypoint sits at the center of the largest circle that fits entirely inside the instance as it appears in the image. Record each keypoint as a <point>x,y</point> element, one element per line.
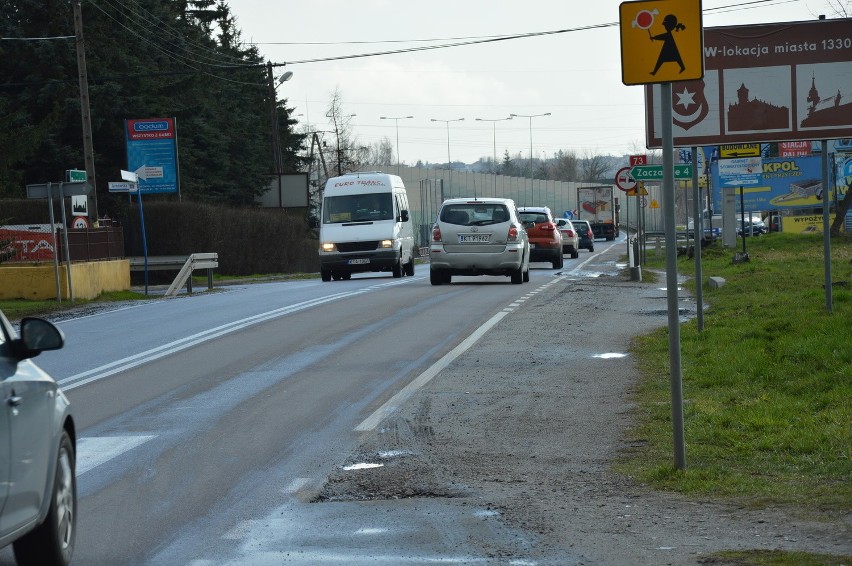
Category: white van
<point>365,226</point>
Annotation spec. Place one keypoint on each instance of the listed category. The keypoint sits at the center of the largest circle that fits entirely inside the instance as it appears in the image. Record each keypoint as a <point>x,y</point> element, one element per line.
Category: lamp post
<point>396,119</point>
<point>276,138</point>
<point>447,122</point>
<point>494,124</point>
<point>530,116</point>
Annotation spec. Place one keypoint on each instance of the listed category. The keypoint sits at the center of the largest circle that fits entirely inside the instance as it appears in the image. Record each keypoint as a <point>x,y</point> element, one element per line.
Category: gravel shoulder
<point>530,428</point>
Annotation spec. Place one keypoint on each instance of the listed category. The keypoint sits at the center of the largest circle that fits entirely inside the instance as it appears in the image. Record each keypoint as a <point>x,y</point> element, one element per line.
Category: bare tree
<point>380,153</point>
<point>346,153</point>
<point>841,8</point>
<point>593,168</point>
<point>564,167</point>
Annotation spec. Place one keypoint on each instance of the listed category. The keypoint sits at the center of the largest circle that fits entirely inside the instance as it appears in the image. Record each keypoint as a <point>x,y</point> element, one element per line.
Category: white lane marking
<point>136,360</point>
<point>94,451</point>
<point>420,381</point>
<point>297,484</point>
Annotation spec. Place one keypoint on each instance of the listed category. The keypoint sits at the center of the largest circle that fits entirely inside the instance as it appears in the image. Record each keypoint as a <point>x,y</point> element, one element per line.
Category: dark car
<point>545,237</point>
<point>37,450</point>
<point>584,231</point>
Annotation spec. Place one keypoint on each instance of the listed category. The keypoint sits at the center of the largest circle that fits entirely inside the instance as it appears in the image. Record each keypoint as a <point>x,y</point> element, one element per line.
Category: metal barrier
<point>185,266</point>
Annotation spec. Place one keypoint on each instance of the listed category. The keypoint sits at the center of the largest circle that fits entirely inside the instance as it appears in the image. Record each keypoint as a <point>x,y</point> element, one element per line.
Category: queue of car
<point>493,236</point>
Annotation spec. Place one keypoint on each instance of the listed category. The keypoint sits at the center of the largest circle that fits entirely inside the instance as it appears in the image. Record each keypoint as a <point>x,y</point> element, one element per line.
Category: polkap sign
<point>763,83</point>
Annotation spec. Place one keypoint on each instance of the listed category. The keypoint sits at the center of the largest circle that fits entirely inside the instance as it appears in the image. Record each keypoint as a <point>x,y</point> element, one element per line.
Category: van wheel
<point>409,267</point>
<point>325,274</point>
<point>397,268</point>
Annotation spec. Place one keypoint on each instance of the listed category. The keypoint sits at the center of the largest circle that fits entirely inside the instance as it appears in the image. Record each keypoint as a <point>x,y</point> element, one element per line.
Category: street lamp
<point>494,124</point>
<point>530,116</point>
<point>396,119</point>
<point>447,122</point>
<point>276,138</point>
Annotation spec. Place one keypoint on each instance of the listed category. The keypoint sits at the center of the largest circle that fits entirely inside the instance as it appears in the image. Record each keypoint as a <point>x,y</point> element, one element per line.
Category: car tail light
<point>590,234</point>
<point>436,233</point>
<point>548,226</point>
<point>513,233</point>
<point>568,233</point>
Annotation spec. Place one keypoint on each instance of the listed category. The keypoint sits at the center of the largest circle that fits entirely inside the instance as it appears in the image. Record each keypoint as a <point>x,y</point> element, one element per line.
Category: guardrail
<point>185,266</point>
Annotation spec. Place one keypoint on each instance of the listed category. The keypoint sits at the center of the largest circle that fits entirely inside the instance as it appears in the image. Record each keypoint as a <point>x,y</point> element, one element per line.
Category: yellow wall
<point>88,279</point>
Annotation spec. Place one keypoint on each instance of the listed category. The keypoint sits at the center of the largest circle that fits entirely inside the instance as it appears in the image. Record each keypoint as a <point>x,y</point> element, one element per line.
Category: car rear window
<point>474,214</point>
<point>533,217</point>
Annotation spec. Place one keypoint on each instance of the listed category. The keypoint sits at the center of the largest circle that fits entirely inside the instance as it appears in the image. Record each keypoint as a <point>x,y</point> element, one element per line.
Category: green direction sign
<point>73,175</point>
<point>655,172</point>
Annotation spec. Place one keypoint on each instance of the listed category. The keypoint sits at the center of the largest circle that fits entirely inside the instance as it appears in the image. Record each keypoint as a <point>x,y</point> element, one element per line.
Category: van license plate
<point>474,238</point>
<point>359,261</point>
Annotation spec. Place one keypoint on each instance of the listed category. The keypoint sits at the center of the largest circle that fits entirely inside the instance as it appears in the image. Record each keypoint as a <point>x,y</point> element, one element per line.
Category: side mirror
<point>403,216</point>
<point>37,336</point>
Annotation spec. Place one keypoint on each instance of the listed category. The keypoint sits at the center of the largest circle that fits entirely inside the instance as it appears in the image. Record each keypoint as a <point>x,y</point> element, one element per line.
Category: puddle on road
<point>362,466</point>
<point>610,355</point>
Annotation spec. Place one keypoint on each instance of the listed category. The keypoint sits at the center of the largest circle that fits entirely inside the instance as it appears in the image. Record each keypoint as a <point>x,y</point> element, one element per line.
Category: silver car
<point>38,488</point>
<point>479,236</point>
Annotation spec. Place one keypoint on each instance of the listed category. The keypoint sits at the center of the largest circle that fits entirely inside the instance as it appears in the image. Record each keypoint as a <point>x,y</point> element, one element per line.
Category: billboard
<point>763,83</point>
<point>786,182</point>
<point>152,154</point>
<point>292,192</point>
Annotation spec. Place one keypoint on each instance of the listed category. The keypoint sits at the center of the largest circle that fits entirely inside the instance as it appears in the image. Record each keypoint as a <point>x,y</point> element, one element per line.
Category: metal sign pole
<point>676,378</point>
<point>826,232</point>
<point>65,242</point>
<point>55,244</point>
<point>697,240</point>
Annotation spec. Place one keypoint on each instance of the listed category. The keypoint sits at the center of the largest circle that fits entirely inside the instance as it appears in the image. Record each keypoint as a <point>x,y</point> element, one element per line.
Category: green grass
<point>19,308</point>
<point>767,385</point>
<point>776,558</point>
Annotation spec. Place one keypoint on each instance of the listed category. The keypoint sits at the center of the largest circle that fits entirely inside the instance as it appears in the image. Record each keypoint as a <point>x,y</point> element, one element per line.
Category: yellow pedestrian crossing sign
<point>662,41</point>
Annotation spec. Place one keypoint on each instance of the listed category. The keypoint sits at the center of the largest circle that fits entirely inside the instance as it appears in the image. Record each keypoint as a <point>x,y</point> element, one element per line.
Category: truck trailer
<point>598,205</point>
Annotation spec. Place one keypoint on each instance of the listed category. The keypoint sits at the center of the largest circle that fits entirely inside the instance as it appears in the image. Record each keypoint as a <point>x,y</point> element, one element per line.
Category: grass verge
<point>766,385</point>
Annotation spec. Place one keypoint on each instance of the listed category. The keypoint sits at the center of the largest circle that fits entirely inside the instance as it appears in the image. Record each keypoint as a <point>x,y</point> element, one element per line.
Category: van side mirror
<point>403,216</point>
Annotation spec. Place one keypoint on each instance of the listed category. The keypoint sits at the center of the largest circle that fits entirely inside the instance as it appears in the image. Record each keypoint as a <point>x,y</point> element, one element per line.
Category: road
<point>207,424</point>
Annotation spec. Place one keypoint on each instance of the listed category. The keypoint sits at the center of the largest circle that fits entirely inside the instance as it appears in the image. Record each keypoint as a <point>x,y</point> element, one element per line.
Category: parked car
<point>478,236</point>
<point>545,238</point>
<point>37,450</point>
<point>585,233</point>
<point>570,238</point>
<point>754,226</point>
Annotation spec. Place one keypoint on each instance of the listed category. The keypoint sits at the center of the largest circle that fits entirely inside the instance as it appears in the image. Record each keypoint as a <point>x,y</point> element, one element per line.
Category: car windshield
<point>474,214</point>
<point>357,208</point>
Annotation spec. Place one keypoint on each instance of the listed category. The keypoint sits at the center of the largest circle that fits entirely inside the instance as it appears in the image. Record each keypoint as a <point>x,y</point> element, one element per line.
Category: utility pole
<point>88,147</point>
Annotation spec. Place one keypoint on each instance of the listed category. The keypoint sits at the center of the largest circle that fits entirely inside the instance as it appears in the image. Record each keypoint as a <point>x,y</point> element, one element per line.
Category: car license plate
<point>359,261</point>
<point>474,238</point>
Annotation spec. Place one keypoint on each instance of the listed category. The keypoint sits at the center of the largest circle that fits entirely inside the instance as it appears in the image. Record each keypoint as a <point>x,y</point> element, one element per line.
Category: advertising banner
<point>794,182</point>
<point>152,154</point>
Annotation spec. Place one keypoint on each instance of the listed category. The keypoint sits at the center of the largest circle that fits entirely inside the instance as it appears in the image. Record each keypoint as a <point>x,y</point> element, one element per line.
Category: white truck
<point>365,225</point>
<point>598,205</point>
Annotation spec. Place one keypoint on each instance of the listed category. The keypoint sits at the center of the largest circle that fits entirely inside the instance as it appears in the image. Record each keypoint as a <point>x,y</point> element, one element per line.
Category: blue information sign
<point>152,154</point>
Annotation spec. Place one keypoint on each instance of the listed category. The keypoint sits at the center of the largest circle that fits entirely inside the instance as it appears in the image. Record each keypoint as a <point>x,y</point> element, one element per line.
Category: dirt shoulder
<point>530,427</point>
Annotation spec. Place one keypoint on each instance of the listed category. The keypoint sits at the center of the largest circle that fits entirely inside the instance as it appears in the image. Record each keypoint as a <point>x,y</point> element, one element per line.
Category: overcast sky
<point>575,75</point>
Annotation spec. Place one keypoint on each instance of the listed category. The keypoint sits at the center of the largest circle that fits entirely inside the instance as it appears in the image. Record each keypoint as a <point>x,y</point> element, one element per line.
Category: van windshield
<point>357,208</point>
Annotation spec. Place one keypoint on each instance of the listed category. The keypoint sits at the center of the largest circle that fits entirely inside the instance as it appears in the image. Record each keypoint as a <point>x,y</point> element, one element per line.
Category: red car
<point>545,238</point>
